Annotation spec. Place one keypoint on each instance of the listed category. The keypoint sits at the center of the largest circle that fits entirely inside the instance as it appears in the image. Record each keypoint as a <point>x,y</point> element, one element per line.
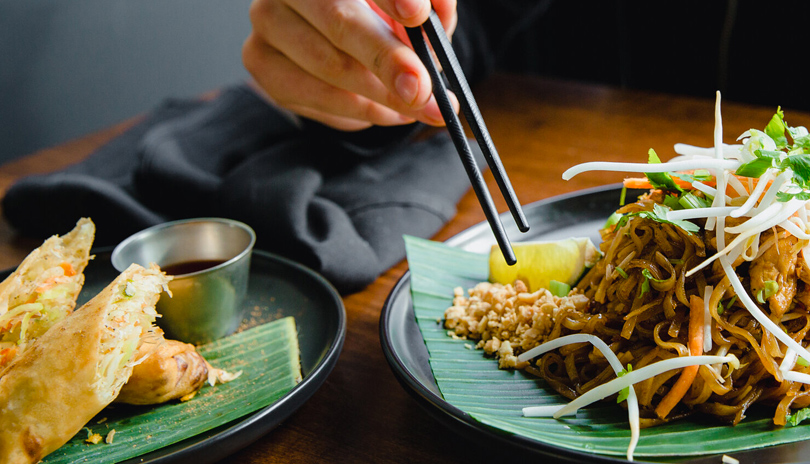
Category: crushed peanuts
<point>508,320</point>
<point>93,438</point>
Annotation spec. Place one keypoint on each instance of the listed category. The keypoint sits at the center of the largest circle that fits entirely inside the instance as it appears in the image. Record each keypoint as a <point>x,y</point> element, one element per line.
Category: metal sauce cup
<point>205,304</point>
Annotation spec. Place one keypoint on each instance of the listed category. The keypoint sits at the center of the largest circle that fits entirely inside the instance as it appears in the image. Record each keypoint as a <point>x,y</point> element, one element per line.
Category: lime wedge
<point>538,263</point>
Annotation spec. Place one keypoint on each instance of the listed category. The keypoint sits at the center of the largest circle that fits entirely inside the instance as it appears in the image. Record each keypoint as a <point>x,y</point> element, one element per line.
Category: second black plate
<point>580,214</point>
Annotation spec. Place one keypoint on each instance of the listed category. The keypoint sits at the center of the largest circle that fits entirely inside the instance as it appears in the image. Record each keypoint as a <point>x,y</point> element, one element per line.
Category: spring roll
<point>43,289</point>
<point>69,374</point>
<point>171,370</point>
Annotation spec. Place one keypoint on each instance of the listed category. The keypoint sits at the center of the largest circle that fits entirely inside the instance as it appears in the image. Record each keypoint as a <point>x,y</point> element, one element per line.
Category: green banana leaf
<point>268,357</point>
<point>473,383</point>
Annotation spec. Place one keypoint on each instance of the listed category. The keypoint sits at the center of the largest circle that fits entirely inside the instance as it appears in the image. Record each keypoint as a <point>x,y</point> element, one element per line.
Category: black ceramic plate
<point>277,288</point>
<point>580,214</point>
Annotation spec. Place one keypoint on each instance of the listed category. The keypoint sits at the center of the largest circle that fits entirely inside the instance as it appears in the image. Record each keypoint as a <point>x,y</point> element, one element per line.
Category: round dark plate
<point>580,214</point>
<point>277,288</point>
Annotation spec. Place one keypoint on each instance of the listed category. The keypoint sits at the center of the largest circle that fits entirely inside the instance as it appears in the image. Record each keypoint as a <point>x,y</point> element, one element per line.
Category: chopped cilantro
<point>800,164</point>
<point>797,417</point>
<point>673,202</point>
<point>659,214</point>
<point>785,197</point>
<point>795,156</point>
<point>776,128</point>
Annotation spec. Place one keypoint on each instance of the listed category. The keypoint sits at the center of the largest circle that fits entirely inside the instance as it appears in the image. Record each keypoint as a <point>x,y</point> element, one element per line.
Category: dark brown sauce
<point>187,267</point>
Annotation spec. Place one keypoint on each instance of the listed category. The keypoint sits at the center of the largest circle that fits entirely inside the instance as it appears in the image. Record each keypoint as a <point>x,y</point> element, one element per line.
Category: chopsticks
<point>444,51</point>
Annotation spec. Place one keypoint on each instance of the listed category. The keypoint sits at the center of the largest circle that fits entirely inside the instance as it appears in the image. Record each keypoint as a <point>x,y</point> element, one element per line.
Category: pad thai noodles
<point>699,304</point>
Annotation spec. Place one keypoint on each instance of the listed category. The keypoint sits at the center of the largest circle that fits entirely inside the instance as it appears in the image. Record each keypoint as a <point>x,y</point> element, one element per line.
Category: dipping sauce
<point>187,267</point>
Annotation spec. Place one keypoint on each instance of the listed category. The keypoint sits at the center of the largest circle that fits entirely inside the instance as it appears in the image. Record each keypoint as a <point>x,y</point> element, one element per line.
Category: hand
<point>344,63</point>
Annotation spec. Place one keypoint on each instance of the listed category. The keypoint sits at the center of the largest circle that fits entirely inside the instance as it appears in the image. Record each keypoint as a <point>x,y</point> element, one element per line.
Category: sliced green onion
<point>559,289</point>
<point>625,392</point>
<point>691,201</point>
<point>673,202</point>
<point>770,289</point>
<point>621,272</point>
<point>755,168</point>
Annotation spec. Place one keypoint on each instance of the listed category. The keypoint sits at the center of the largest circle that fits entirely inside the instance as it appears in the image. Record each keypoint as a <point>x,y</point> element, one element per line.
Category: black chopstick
<point>444,51</point>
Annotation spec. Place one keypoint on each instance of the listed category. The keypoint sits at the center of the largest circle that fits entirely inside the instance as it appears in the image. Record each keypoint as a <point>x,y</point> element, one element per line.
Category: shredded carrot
<point>642,183</point>
<point>68,268</point>
<point>688,373</point>
<point>7,354</point>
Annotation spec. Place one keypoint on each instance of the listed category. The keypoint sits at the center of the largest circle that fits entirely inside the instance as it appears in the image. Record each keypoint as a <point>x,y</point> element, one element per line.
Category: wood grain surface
<point>540,127</point>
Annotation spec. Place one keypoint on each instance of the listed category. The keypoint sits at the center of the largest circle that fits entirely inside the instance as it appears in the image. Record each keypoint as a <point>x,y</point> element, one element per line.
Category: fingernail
<point>407,85</point>
<point>407,8</point>
<point>404,119</point>
<point>433,113</point>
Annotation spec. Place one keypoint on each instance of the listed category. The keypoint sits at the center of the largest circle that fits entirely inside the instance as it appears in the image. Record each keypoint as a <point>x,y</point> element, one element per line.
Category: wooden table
<point>541,127</point>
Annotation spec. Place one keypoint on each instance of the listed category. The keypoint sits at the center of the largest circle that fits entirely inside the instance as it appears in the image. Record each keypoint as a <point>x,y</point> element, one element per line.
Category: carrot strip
<point>642,183</point>
<point>68,268</point>
<point>688,374</point>
<point>7,355</point>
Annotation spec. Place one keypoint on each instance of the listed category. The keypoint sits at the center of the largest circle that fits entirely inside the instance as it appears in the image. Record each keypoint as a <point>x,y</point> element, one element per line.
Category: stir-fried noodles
<point>670,286</point>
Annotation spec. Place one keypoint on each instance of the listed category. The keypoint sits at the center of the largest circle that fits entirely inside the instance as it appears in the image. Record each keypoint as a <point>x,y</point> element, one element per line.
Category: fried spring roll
<point>43,289</point>
<point>172,370</point>
<point>64,378</point>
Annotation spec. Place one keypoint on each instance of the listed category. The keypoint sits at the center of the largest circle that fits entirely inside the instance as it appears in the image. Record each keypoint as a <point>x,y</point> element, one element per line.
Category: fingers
<point>341,62</point>
<point>412,13</point>
<point>351,26</point>
<point>295,38</point>
<point>409,13</point>
<point>312,97</point>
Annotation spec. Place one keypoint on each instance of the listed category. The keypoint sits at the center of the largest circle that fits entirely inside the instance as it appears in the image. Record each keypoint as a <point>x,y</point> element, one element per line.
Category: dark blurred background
<point>70,67</point>
<point>752,51</point>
